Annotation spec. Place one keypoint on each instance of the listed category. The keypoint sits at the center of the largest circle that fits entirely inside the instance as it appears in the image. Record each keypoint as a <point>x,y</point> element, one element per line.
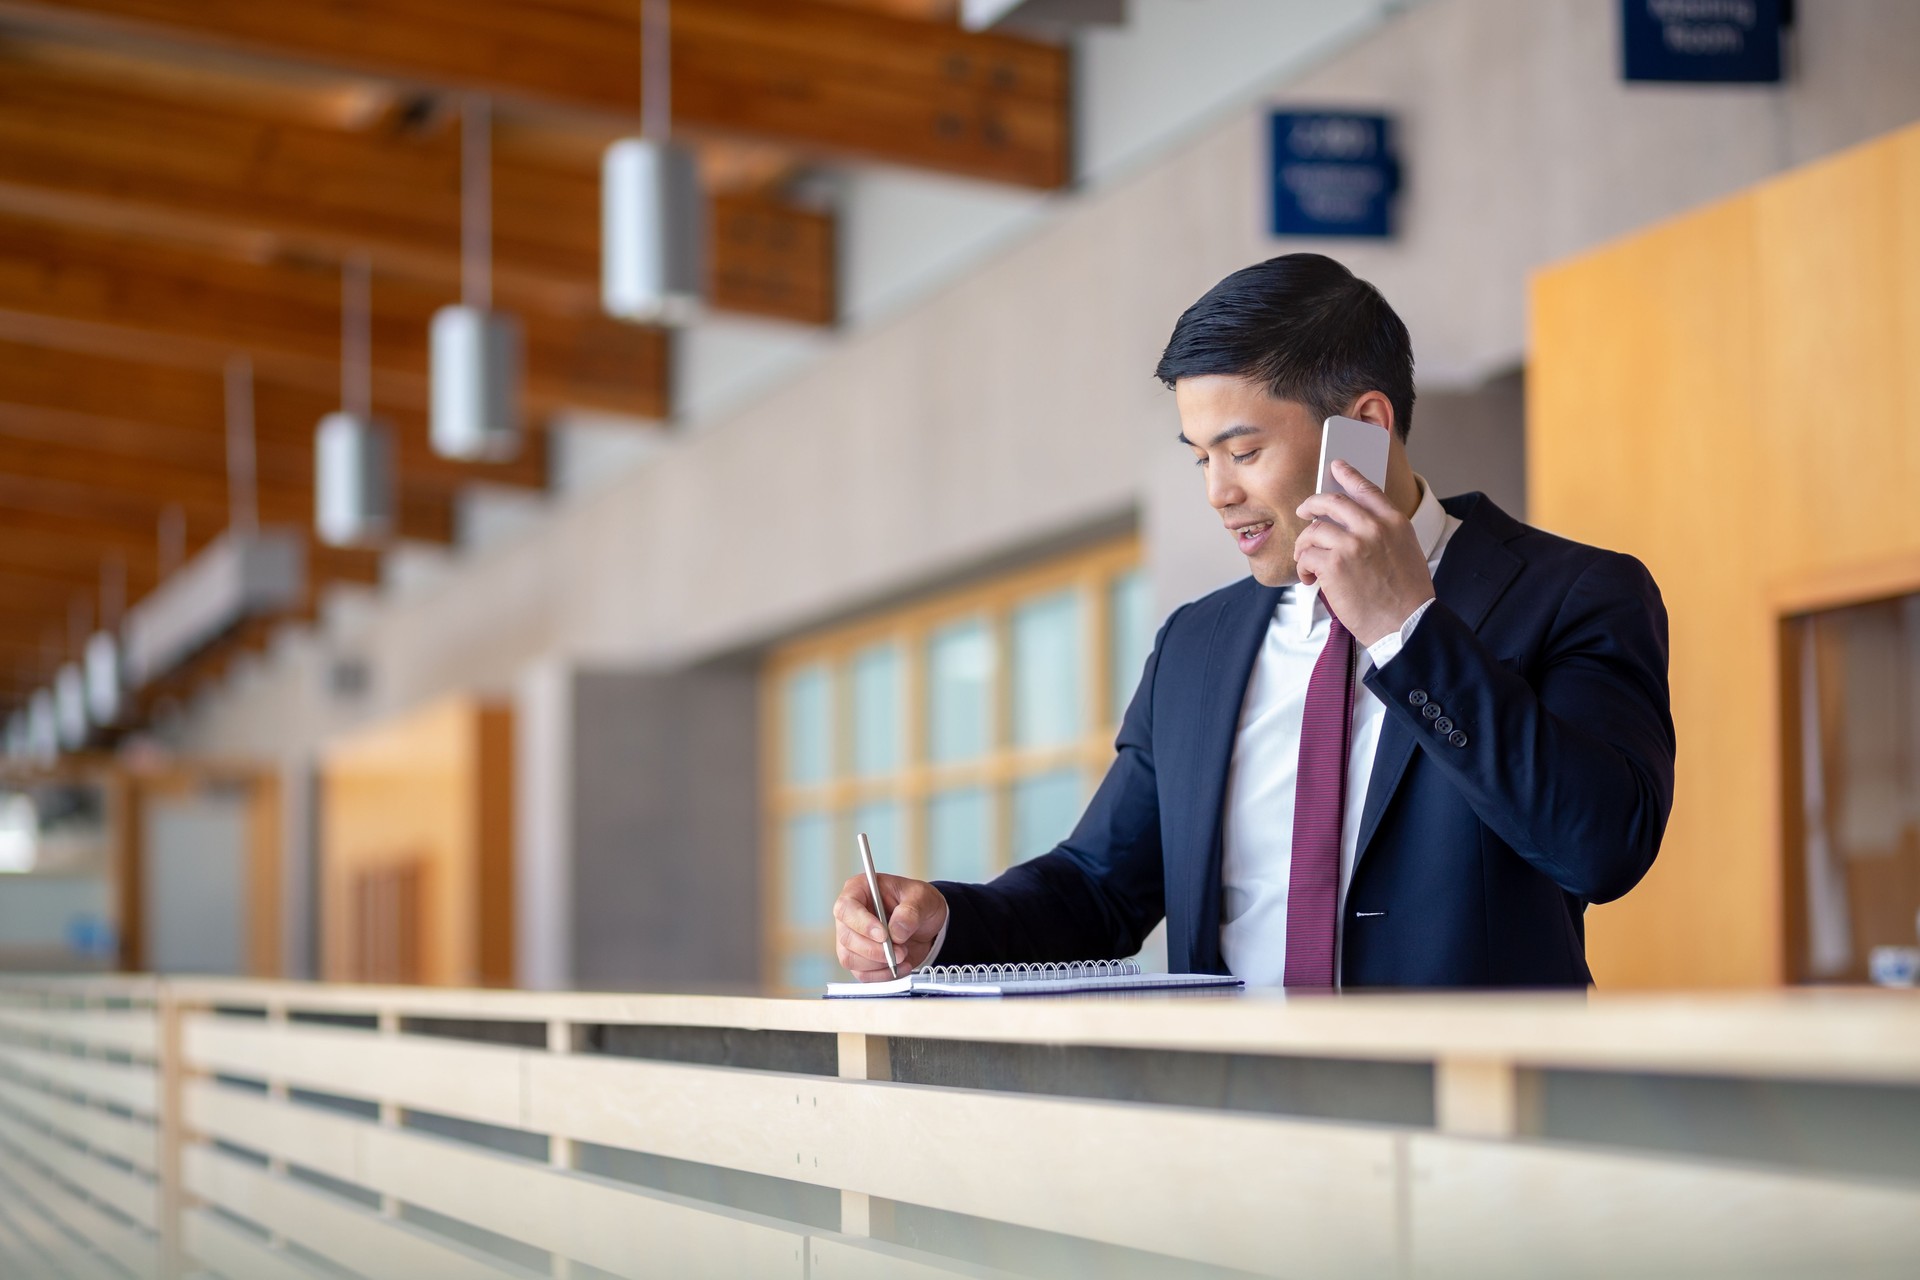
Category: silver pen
<point>873,887</point>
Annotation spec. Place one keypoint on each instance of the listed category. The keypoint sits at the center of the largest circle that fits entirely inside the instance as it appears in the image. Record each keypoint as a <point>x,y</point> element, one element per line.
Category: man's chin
<point>1282,573</point>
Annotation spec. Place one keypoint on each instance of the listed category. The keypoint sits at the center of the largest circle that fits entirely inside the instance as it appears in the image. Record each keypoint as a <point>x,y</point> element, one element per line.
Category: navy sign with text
<point>1334,174</point>
<point>1726,41</point>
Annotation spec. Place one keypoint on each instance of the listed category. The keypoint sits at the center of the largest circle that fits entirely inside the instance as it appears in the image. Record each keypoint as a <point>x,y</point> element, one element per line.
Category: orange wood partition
<point>416,821</point>
<point>1734,397</point>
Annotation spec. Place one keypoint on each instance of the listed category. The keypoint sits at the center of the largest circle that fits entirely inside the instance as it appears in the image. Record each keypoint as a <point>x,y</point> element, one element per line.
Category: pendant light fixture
<point>43,727</point>
<point>353,474</point>
<point>476,350</point>
<point>100,663</point>
<point>70,683</point>
<point>653,217</point>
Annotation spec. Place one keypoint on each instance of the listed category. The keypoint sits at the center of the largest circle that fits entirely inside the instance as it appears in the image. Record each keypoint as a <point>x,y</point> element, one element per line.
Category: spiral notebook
<point>1049,979</point>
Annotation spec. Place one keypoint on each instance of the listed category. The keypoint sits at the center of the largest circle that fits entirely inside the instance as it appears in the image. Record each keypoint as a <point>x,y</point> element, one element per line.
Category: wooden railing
<point>250,1129</point>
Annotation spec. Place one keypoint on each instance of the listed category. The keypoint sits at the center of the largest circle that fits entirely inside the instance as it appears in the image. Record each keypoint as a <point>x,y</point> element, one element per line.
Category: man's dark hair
<point>1305,326</point>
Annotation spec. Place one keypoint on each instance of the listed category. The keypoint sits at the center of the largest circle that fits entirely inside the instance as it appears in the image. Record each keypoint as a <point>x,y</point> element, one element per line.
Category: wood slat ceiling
<point>180,181</point>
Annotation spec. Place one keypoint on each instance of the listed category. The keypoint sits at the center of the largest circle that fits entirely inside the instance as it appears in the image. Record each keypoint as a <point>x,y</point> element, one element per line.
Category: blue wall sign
<point>1334,174</point>
<point>1724,41</point>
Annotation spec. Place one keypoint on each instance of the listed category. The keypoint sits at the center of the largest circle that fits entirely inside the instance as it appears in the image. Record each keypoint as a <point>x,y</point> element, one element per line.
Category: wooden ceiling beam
<point>87,147</point>
<point>287,314</point>
<point>823,77</point>
<point>426,517</point>
<point>78,546</point>
<point>177,415</point>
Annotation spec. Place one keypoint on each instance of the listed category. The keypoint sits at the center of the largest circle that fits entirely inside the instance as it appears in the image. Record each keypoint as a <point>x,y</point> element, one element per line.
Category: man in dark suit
<point>1407,751</point>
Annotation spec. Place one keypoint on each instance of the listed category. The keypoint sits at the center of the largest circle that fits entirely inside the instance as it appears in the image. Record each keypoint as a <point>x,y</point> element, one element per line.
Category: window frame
<point>1090,572</point>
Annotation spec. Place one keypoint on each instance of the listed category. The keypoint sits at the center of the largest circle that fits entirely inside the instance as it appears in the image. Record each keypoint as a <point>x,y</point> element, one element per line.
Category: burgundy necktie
<point>1319,802</point>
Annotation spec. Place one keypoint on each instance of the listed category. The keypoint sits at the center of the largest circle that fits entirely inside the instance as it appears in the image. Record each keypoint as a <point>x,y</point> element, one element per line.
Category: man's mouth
<point>1251,537</point>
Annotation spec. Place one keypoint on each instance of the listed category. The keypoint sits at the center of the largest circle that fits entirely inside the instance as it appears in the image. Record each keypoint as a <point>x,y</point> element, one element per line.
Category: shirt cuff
<point>939,941</point>
<point>1388,646</point>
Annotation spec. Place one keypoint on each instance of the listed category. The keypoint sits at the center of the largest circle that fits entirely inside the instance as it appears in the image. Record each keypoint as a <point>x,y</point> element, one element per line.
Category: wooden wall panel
<point>424,791</point>
<point>1733,396</point>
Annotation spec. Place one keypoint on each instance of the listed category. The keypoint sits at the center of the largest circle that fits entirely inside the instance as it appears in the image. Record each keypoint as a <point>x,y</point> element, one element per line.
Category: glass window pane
<point>1045,807</point>
<point>1129,639</point>
<point>881,820</point>
<point>810,970</point>
<point>808,707</point>
<point>1048,662</point>
<point>878,677</point>
<point>959,691</point>
<point>810,880</point>
<point>960,835</point>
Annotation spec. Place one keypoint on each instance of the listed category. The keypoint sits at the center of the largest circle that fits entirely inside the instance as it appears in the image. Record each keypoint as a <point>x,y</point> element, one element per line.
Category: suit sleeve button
<point>1418,697</point>
<point>1431,711</point>
<point>1458,737</point>
<point>1443,727</point>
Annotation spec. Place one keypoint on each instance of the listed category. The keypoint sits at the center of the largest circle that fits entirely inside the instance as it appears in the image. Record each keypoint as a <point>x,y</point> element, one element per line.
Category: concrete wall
<point>1016,404</point>
<point>665,829</point>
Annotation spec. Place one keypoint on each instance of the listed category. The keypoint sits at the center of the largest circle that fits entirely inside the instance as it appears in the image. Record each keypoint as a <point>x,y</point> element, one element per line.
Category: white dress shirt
<point>1257,831</point>
<point>1257,827</point>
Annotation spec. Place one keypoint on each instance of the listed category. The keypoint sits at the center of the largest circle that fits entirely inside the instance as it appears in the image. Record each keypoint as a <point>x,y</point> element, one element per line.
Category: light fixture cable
<point>476,201</point>
<point>656,70</point>
<point>243,496</point>
<point>356,335</point>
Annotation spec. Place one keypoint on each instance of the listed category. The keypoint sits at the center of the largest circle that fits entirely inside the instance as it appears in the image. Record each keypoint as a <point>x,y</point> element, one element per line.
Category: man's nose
<point>1222,490</point>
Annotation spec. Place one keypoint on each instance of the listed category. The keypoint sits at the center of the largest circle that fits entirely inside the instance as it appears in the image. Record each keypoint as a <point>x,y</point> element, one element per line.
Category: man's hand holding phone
<point>1363,555</point>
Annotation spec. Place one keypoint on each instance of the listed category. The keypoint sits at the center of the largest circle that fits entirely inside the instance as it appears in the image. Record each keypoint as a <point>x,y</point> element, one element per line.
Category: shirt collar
<point>1300,608</point>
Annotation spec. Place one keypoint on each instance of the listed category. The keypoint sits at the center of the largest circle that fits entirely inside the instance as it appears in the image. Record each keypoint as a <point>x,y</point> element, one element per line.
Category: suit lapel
<point>1474,572</point>
<point>1237,636</point>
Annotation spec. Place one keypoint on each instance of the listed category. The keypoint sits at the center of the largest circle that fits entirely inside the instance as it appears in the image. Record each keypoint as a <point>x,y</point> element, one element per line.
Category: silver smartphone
<point>1361,445</point>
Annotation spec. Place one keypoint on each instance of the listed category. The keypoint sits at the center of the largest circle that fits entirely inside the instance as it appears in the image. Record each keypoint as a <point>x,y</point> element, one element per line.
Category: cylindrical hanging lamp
<point>353,472</point>
<point>101,668</point>
<point>70,706</point>
<point>653,216</point>
<point>100,660</point>
<point>43,736</point>
<point>475,350</point>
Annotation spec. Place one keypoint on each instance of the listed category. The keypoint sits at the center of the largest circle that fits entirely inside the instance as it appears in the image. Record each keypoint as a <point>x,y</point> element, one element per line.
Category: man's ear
<point>1374,407</point>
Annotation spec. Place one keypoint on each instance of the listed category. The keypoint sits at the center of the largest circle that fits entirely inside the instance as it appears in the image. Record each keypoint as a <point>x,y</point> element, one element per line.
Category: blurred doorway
<point>200,869</point>
<point>1851,768</point>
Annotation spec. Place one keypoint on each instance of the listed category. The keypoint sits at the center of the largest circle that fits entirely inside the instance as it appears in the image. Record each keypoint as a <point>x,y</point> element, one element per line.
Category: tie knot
<point>1339,627</point>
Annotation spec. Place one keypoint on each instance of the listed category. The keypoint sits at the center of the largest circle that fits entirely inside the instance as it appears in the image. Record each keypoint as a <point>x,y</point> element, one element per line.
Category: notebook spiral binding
<point>1052,970</point>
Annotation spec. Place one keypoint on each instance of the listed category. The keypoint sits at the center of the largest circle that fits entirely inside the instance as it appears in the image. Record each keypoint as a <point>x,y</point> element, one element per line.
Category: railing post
<point>277,1090</point>
<point>168,1061</point>
<point>863,1057</point>
<point>560,1148</point>
<point>388,1023</point>
<point>1485,1098</point>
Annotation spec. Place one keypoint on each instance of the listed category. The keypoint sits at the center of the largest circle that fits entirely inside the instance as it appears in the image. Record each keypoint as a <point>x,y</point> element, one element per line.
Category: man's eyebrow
<point>1231,433</point>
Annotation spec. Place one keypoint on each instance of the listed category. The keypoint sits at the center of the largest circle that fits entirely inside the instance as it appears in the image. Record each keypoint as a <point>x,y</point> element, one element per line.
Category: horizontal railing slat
<point>132,1140</point>
<point>848,1258</point>
<point>59,1203</point>
<point>478,1082</point>
<point>626,1230</point>
<point>128,1193</point>
<point>823,1131</point>
<point>39,1225</point>
<point>1035,1161</point>
<point>129,1085</point>
<point>127,1030</point>
<point>345,1234</point>
<point>235,1254</point>
<point>1504,1209</point>
<point>21,1230</point>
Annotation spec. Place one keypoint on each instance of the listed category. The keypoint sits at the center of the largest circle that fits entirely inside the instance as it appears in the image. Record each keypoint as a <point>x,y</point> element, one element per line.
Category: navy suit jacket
<point>1479,848</point>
